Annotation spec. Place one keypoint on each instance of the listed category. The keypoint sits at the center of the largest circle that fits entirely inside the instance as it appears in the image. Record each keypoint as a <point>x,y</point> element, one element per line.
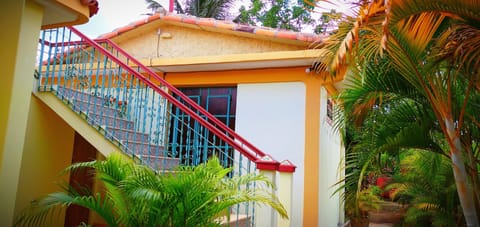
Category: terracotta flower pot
<point>359,222</point>
<point>389,212</point>
<point>385,216</point>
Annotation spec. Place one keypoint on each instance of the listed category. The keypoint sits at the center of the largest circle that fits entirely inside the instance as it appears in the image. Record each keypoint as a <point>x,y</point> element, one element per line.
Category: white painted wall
<point>330,211</point>
<point>272,116</point>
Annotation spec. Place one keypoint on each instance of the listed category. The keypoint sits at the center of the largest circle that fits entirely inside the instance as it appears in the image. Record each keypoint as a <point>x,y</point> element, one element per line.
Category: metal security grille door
<point>196,146</point>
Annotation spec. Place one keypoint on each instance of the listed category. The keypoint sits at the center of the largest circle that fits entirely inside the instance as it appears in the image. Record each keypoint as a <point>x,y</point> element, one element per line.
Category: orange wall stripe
<point>221,78</point>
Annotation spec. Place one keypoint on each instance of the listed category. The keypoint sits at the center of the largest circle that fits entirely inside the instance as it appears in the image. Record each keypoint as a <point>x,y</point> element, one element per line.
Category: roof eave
<point>277,59</point>
<point>208,24</point>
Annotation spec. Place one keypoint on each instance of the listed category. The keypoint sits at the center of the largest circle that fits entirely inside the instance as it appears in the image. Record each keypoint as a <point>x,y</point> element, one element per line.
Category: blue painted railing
<point>132,106</point>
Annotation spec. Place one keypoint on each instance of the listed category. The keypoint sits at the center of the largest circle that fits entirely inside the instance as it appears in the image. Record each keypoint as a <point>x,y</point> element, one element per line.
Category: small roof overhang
<point>58,13</point>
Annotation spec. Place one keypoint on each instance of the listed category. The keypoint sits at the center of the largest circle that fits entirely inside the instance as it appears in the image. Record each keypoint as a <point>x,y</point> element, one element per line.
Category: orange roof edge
<point>218,24</point>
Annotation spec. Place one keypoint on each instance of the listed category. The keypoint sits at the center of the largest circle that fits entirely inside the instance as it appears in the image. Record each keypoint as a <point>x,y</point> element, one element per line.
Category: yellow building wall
<point>20,22</point>
<point>191,42</point>
<point>48,150</point>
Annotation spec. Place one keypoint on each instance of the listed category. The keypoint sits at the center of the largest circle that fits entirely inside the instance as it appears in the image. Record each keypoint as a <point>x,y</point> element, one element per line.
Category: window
<point>329,111</point>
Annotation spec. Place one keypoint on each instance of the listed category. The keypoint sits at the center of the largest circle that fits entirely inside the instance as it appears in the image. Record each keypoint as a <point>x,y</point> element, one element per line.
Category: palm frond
<point>135,195</point>
<point>461,10</point>
<point>418,30</point>
<point>50,206</point>
<point>217,9</point>
<point>460,45</point>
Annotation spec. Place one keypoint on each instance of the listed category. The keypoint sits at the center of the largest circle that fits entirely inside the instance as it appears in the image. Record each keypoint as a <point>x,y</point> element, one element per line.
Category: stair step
<point>160,163</point>
<point>110,121</point>
<point>128,134</point>
<point>78,95</point>
<point>142,148</point>
<point>85,96</point>
<point>96,107</point>
<point>137,143</point>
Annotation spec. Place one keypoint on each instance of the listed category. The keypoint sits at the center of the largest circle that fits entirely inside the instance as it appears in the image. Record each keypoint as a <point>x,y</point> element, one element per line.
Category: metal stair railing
<point>214,124</point>
<point>71,52</point>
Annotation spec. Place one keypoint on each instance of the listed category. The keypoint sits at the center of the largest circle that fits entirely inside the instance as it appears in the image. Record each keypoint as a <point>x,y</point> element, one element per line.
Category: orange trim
<point>312,148</point>
<point>172,17</point>
<point>189,20</point>
<point>125,28</point>
<point>153,17</point>
<point>225,25</point>
<point>138,23</point>
<point>209,22</point>
<point>287,35</point>
<point>222,78</point>
<point>265,32</point>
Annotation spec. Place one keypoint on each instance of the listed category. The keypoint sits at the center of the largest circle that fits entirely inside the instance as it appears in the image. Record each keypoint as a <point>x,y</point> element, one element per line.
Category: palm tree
<point>218,9</point>
<point>153,5</point>
<point>433,45</point>
<point>135,195</point>
<point>383,114</point>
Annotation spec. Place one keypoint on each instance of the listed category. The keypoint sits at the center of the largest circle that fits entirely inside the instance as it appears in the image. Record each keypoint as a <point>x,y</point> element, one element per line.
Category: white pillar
<point>285,186</point>
<point>265,215</point>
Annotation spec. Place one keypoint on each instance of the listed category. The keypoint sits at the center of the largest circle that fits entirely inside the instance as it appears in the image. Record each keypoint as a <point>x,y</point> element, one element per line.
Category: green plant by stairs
<point>135,195</point>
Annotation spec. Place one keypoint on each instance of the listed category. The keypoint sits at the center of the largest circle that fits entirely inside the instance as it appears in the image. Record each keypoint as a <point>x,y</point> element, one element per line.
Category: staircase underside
<point>78,123</point>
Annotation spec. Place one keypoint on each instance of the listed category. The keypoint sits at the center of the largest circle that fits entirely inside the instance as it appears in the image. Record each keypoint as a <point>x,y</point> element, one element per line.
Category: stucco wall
<point>47,151</point>
<point>272,116</point>
<point>21,21</point>
<point>191,42</point>
<point>330,212</point>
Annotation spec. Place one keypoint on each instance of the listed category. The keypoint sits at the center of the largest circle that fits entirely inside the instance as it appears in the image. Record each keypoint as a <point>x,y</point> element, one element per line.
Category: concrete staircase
<point>106,114</point>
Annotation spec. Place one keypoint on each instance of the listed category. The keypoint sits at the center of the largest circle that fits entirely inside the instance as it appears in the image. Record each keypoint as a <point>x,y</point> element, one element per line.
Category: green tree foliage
<point>328,22</point>
<point>426,182</point>
<point>382,115</point>
<point>218,9</point>
<point>135,195</point>
<point>283,14</point>
<point>433,46</point>
<point>153,5</point>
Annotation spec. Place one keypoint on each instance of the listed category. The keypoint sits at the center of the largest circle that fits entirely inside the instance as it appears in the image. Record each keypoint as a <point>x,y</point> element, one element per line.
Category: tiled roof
<point>220,24</point>
<point>92,6</point>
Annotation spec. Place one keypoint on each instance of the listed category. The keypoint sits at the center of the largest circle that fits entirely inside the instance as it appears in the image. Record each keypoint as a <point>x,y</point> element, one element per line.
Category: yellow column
<point>312,149</point>
<point>20,22</point>
<point>285,187</point>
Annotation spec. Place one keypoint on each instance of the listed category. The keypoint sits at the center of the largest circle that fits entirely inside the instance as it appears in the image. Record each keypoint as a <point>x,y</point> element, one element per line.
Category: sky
<point>113,14</point>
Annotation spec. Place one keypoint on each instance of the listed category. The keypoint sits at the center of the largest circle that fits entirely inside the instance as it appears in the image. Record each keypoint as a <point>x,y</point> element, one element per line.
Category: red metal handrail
<point>255,156</point>
<point>184,97</point>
